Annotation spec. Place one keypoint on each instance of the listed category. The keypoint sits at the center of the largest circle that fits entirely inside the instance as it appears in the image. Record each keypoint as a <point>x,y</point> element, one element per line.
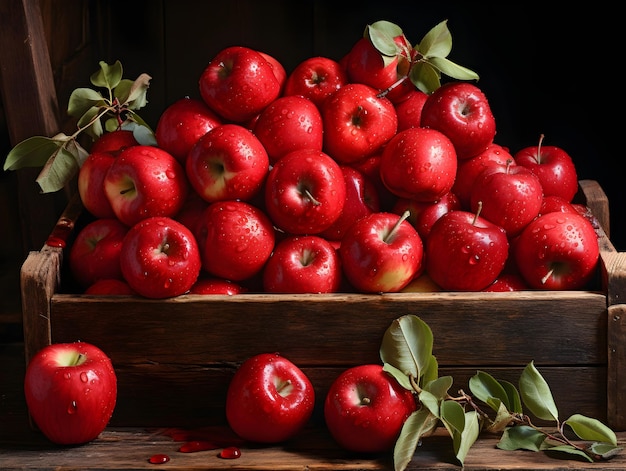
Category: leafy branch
<point>425,63</point>
<point>406,352</point>
<point>62,156</point>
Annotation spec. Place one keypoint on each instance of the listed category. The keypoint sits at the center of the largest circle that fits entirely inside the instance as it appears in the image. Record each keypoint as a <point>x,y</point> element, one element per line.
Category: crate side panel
<point>469,329</point>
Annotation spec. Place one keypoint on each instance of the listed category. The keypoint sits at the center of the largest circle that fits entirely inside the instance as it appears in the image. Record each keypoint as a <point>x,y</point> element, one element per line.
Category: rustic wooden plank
<point>595,198</point>
<point>616,382</point>
<point>469,328</point>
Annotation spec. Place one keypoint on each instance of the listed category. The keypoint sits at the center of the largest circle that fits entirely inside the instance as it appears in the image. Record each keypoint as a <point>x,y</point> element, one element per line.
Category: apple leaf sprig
<point>406,352</point>
<point>425,63</point>
<point>61,156</point>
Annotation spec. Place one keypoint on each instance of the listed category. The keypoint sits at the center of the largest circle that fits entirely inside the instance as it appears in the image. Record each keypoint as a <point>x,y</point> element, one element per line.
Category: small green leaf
<point>134,93</point>
<point>521,437</point>
<point>451,69</point>
<point>407,345</point>
<point>501,421</point>
<point>570,450</point>
<point>439,387</point>
<point>381,38</point>
<point>425,77</point>
<point>108,76</point>
<point>141,131</point>
<point>402,379</point>
<point>468,436</point>
<point>430,402</point>
<point>485,387</point>
<point>536,394</point>
<point>90,122</point>
<point>437,42</point>
<point>514,402</point>
<point>82,100</point>
<point>420,423</point>
<point>452,416</point>
<point>32,152</point>
<point>591,429</point>
<point>431,371</point>
<point>605,450</point>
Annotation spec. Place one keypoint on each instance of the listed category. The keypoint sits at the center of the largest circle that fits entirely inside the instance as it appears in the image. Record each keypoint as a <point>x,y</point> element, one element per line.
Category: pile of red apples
<point>337,176</point>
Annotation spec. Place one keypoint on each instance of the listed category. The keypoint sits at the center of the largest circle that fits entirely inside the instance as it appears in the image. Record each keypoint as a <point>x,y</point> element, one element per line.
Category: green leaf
<point>134,93</point>
<point>437,42</point>
<point>82,100</point>
<point>108,76</point>
<point>514,402</point>
<point>90,122</point>
<point>468,436</point>
<point>439,387</point>
<point>402,379</point>
<point>431,372</point>
<point>407,345</point>
<point>449,68</point>
<point>32,152</point>
<point>501,421</point>
<point>605,450</point>
<point>417,425</point>
<point>521,437</point>
<point>430,402</point>
<point>141,131</point>
<point>536,394</point>
<point>570,450</point>
<point>381,35</point>
<point>453,416</point>
<point>425,77</point>
<point>591,429</point>
<point>485,387</point>
<point>59,169</point>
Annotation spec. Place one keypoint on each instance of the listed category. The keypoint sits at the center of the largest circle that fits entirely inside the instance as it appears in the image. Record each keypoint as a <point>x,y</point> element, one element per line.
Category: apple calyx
<point>62,156</point>
<point>425,63</point>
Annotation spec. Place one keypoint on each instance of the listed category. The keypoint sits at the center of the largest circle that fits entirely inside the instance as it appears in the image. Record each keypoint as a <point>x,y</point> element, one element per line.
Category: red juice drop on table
<point>159,459</point>
<point>230,453</point>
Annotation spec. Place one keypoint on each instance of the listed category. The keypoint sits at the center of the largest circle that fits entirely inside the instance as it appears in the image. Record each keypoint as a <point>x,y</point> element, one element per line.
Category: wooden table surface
<point>23,448</point>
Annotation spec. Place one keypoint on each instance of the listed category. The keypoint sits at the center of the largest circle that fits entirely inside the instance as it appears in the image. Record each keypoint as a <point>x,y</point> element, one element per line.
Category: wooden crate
<point>175,357</point>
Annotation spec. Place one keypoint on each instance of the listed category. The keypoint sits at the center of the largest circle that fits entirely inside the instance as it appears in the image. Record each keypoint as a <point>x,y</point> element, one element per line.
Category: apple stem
<point>396,84</point>
<point>396,226</point>
<point>311,198</point>
<point>541,136</point>
<point>547,275</point>
<point>478,211</point>
<point>283,385</point>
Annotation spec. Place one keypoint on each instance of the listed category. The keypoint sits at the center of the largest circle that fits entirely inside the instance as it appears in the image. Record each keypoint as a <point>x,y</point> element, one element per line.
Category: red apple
<point>315,78</point>
<point>110,287</point>
<point>553,203</point>
<point>419,164</point>
<point>423,214</point>
<point>269,399</point>
<point>238,83</point>
<point>160,258</point>
<point>71,392</point>
<point>213,285</point>
<point>114,142</point>
<point>557,251</point>
<point>380,253</point>
<point>468,169</point>
<point>279,71</point>
<point>145,181</point>
<point>91,184</point>
<point>461,111</point>
<point>507,282</point>
<point>510,196</point>
<point>553,166</point>
<point>365,409</point>
<point>289,123</point>
<point>361,199</point>
<point>357,123</point>
<point>370,167</point>
<point>235,240</point>
<point>95,252</point>
<point>182,124</point>
<point>227,163</point>
<point>303,264</point>
<point>465,252</point>
<point>409,110</point>
<point>305,192</point>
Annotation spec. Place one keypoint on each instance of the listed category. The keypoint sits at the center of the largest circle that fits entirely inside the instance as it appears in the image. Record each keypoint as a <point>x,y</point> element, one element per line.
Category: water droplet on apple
<point>83,377</point>
<point>67,375</point>
<point>71,408</point>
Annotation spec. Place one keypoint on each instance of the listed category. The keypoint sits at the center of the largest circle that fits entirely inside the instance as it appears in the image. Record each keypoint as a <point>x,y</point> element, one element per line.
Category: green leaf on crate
<point>605,450</point>
<point>32,152</point>
<point>468,437</point>
<point>590,429</point>
<point>420,423</point>
<point>62,165</point>
<point>407,345</point>
<point>572,450</point>
<point>501,421</point>
<point>536,394</point>
<point>515,402</point>
<point>439,387</point>
<point>486,388</point>
<point>430,401</point>
<point>521,437</point>
<point>109,76</point>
